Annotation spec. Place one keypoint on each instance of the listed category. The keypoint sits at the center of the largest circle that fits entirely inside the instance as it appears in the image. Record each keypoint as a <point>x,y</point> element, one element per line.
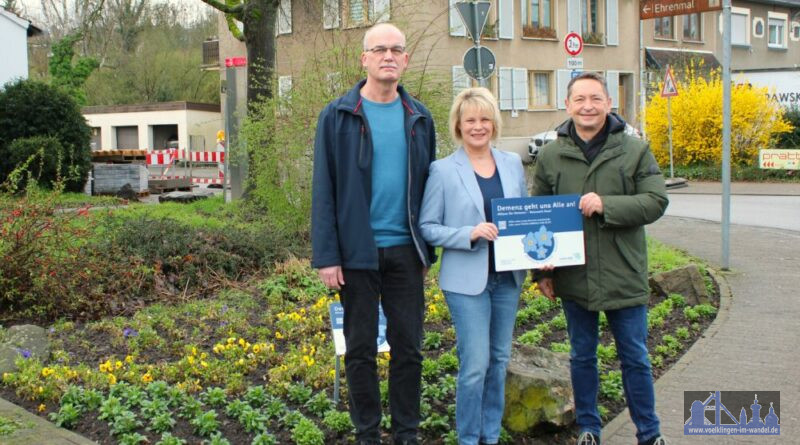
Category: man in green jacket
<point>621,190</point>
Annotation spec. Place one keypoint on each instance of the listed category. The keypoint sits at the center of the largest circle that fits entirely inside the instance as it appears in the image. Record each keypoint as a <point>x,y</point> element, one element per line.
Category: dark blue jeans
<point>398,286</point>
<point>629,327</point>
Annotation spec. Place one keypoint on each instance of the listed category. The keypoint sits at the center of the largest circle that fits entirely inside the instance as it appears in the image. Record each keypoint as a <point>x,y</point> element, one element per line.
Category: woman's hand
<point>486,230</point>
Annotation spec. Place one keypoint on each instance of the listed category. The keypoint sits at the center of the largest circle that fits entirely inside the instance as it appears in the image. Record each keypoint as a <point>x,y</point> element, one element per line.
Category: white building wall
<point>13,47</point>
<point>189,122</point>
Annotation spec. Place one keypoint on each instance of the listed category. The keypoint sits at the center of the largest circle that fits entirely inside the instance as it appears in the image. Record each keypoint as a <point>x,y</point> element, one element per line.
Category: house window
<point>758,27</point>
<point>492,28</point>
<point>356,12</point>
<point>284,94</point>
<point>590,25</point>
<point>740,26</point>
<point>365,12</point>
<point>540,95</point>
<point>795,35</point>
<point>691,27</point>
<point>284,17</point>
<point>537,18</point>
<point>776,27</point>
<point>665,28</point>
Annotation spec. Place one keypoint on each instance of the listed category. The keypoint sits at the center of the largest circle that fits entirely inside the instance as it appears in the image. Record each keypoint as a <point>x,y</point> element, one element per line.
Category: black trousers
<point>398,286</point>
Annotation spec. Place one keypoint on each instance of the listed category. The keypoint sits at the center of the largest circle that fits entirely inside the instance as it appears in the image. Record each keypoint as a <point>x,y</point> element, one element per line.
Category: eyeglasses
<point>380,50</point>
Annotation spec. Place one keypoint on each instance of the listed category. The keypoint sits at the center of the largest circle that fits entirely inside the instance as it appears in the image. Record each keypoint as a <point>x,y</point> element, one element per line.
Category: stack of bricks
<point>110,178</point>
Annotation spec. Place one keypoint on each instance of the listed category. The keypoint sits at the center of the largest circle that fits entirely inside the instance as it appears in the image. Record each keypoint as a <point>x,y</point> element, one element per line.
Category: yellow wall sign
<point>783,159</point>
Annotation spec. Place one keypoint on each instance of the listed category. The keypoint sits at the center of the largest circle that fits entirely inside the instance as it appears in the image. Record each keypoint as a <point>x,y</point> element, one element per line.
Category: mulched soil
<point>96,346</point>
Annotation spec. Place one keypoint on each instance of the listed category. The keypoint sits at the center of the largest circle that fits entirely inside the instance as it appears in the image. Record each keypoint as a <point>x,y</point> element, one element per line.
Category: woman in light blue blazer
<point>483,303</point>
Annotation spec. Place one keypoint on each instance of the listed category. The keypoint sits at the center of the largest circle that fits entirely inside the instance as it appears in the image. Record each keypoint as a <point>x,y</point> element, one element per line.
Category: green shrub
<point>338,421</point>
<point>52,267</point>
<point>187,253</point>
<point>306,432</point>
<point>791,139</point>
<point>29,108</point>
<point>37,158</point>
<point>611,385</point>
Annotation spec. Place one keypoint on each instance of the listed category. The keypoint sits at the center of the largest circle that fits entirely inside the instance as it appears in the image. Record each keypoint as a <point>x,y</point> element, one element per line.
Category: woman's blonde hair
<point>480,98</point>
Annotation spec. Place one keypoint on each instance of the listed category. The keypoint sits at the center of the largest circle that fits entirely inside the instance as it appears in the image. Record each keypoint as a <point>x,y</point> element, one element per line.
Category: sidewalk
<point>751,346</point>
<point>741,188</point>
<point>36,430</point>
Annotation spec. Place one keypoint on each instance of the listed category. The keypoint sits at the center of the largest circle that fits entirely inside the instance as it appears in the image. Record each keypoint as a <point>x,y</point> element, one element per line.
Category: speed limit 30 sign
<point>573,43</point>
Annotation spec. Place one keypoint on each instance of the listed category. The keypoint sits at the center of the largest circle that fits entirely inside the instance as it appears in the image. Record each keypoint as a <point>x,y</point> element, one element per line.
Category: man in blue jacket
<point>371,156</point>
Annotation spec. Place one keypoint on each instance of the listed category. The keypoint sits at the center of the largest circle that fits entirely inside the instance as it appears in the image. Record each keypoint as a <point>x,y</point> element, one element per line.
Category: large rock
<point>185,197</point>
<point>25,339</point>
<point>538,389</point>
<point>686,281</point>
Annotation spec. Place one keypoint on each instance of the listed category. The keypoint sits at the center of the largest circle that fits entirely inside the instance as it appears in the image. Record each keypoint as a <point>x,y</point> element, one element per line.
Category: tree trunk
<point>259,37</point>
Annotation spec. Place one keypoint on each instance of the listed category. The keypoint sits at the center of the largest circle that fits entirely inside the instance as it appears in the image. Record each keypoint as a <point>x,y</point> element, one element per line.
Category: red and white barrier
<point>203,156</point>
<point>163,157</point>
<point>166,158</point>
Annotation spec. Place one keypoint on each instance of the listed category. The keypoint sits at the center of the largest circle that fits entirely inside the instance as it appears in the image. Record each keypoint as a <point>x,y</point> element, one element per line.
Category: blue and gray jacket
<point>341,234</point>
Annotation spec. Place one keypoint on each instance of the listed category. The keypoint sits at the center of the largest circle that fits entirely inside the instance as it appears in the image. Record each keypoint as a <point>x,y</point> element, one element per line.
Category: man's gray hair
<point>378,26</point>
<point>588,75</point>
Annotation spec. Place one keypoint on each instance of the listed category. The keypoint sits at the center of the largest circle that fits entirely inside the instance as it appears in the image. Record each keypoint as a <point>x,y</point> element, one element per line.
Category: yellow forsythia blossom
<point>696,115</point>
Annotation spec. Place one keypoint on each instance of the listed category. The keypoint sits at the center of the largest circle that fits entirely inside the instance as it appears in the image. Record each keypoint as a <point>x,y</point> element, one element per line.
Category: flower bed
<point>256,365</point>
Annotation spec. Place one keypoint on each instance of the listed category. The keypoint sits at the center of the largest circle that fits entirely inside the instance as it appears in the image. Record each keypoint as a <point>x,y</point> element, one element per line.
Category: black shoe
<point>658,440</point>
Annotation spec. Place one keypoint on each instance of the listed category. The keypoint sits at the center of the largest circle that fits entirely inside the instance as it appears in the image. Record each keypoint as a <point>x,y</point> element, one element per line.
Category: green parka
<point>627,178</point>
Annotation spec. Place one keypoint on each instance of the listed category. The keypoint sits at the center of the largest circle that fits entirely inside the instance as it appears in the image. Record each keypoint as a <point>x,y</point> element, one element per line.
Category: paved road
<point>782,212</point>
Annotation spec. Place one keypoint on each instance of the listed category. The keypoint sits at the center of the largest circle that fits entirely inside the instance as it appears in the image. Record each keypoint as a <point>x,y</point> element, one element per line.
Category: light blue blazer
<point>452,206</point>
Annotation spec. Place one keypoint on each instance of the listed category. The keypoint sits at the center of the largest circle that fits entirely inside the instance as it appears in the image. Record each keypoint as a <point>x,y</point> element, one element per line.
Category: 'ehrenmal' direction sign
<point>650,9</point>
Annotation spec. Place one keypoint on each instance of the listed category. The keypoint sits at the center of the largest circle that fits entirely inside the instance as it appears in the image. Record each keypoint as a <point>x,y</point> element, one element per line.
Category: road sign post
<point>573,43</point>
<point>669,90</point>
<point>479,62</point>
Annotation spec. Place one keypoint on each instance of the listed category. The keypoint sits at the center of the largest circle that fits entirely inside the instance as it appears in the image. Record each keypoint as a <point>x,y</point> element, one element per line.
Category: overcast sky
<point>32,9</point>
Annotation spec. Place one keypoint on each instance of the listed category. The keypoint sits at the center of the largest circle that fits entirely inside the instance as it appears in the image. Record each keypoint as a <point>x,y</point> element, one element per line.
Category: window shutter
<point>284,86</point>
<point>562,79</point>
<point>573,16</point>
<point>284,17</point>
<point>461,80</point>
<point>379,10</point>
<point>520,89</point>
<point>505,16</point>
<point>612,79</point>
<point>506,101</point>
<point>457,27</point>
<point>330,14</point>
<point>612,22</point>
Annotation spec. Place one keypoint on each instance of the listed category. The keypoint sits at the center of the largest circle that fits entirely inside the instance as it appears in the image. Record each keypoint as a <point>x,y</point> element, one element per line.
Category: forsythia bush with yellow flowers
<point>697,121</point>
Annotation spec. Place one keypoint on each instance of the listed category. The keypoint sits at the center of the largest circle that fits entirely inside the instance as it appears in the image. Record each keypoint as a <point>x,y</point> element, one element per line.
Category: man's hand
<point>546,286</point>
<point>332,277</point>
<point>484,230</point>
<point>590,204</point>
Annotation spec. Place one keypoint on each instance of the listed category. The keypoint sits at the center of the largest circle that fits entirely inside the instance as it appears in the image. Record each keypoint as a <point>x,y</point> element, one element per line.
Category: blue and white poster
<point>538,231</point>
<point>337,325</point>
